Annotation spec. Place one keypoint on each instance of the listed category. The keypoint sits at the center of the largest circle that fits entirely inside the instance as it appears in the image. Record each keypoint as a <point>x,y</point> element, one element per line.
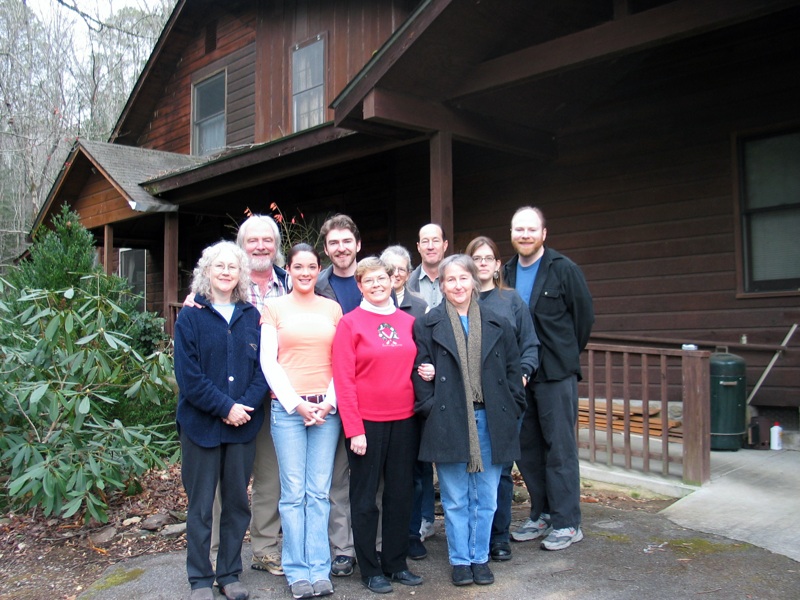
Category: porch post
<point>441,174</point>
<point>108,249</point>
<point>696,417</point>
<point>170,268</point>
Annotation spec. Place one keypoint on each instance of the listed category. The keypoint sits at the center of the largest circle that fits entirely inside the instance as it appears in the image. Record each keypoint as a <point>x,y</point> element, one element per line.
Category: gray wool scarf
<point>469,356</point>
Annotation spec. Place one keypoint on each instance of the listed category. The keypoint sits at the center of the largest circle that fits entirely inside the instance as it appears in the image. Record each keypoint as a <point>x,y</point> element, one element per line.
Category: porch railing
<point>647,409</point>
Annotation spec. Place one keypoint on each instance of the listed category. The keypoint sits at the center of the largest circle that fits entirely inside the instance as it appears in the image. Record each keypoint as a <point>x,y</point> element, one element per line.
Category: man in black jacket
<point>561,305</point>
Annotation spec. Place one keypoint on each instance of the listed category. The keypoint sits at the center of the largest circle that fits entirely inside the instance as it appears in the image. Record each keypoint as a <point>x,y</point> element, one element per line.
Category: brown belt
<point>314,398</point>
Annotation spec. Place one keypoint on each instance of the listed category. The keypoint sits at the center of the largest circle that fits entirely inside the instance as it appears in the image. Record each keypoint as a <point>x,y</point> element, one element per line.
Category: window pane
<point>307,67</point>
<point>308,86</point>
<point>308,109</point>
<point>210,97</point>
<point>772,171</point>
<point>775,252</point>
<point>210,135</point>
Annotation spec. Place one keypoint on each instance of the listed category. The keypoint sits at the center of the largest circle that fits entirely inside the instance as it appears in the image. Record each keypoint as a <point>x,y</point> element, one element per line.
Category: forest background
<point>67,68</point>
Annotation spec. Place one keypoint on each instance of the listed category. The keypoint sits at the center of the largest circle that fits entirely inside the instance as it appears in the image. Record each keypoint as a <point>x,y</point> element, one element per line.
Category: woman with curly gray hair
<point>220,410</point>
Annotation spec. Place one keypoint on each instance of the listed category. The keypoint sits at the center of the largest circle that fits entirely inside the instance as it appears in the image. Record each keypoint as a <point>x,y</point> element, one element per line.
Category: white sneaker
<point>532,529</point>
<point>562,538</point>
<point>427,529</point>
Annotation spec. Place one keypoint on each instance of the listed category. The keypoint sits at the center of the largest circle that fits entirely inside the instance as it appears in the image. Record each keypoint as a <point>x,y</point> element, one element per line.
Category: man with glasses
<point>556,292</point>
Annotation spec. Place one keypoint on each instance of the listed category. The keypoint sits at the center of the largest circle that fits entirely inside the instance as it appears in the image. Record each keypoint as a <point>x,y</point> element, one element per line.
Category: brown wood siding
<point>99,203</point>
<point>641,198</point>
<point>170,127</point>
<point>353,31</point>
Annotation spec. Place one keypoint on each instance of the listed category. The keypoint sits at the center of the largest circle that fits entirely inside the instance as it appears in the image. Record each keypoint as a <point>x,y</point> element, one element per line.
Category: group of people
<point>339,388</point>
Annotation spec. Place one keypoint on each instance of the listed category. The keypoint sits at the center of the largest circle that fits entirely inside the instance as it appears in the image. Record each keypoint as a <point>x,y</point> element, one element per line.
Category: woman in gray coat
<point>471,407</point>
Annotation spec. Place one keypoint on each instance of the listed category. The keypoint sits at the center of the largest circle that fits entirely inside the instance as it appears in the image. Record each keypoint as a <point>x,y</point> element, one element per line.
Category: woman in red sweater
<point>373,356</point>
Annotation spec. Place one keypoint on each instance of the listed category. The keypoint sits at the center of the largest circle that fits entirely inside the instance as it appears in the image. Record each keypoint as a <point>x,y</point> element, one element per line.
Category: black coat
<point>561,306</point>
<point>441,402</point>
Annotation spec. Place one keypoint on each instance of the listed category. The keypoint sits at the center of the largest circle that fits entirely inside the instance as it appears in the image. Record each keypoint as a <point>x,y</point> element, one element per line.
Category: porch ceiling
<point>512,75</point>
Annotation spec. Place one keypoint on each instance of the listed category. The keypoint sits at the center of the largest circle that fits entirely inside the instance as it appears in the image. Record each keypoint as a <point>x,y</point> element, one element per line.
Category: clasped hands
<point>238,415</point>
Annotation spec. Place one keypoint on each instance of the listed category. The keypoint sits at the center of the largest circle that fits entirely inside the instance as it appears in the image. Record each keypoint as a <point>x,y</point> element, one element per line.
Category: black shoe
<point>405,577</point>
<point>462,575</point>
<point>416,549</point>
<point>500,551</point>
<point>378,584</point>
<point>343,566</point>
<point>482,574</point>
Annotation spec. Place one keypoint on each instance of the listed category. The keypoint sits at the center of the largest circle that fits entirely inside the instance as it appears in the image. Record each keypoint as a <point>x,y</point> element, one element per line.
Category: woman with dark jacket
<point>506,302</point>
<point>220,410</point>
<point>471,409</point>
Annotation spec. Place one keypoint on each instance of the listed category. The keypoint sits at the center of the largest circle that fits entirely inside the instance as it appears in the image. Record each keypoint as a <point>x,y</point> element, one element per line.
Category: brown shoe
<point>271,563</point>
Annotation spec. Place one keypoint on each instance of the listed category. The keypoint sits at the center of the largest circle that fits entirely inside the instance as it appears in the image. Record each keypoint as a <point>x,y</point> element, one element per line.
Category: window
<point>308,84</point>
<point>208,115</point>
<point>770,211</point>
<point>133,268</point>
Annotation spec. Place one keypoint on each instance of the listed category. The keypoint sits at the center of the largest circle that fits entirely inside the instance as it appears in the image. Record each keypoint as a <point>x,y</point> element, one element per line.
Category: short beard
<point>260,263</point>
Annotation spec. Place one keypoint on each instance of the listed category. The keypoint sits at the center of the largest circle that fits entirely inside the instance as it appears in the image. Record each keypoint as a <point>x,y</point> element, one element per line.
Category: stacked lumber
<point>655,423</point>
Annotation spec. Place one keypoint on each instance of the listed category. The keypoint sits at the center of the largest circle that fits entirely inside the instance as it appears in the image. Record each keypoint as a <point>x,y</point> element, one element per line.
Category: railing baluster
<point>664,415</point>
<point>626,406</point>
<point>645,414</point>
<point>609,401</point>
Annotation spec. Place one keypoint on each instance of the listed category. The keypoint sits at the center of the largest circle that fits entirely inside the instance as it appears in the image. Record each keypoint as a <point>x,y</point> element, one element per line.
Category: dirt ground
<point>57,559</point>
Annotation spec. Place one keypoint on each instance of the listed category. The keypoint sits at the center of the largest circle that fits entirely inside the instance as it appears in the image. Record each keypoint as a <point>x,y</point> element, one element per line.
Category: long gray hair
<point>201,282</point>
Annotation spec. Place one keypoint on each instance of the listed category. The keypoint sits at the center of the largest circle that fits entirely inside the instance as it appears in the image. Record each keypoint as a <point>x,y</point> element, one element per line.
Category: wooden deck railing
<point>620,381</point>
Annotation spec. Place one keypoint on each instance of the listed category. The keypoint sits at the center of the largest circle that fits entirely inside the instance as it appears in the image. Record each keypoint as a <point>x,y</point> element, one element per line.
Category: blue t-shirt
<point>464,323</point>
<point>347,293</point>
<point>526,277</point>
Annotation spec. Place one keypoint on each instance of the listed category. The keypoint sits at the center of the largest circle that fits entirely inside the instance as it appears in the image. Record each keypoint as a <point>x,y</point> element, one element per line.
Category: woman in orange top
<point>297,333</point>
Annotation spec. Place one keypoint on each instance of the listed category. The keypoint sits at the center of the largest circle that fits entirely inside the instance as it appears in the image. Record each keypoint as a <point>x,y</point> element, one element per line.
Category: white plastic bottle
<point>776,437</point>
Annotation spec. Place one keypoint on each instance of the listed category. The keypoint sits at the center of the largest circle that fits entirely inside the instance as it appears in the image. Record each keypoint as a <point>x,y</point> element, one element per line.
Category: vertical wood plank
<point>441,174</point>
<point>108,249</point>
<point>696,418</point>
<point>170,268</point>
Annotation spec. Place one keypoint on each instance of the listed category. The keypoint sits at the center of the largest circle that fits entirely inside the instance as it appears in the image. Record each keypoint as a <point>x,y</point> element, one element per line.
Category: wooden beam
<point>348,101</point>
<point>625,35</point>
<point>108,249</point>
<point>400,110</point>
<point>170,268</point>
<point>441,165</point>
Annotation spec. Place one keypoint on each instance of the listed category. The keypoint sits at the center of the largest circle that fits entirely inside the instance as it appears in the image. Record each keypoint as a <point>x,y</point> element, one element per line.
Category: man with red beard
<point>556,292</point>
<point>338,282</point>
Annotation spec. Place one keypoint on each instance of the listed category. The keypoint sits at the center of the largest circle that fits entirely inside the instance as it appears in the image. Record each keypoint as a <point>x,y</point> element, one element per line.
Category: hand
<point>189,301</point>
<point>524,381</point>
<point>426,371</point>
<point>310,413</point>
<point>238,415</point>
<point>358,444</point>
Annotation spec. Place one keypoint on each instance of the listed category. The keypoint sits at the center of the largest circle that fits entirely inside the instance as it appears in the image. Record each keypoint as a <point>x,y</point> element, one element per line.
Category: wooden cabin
<point>660,138</point>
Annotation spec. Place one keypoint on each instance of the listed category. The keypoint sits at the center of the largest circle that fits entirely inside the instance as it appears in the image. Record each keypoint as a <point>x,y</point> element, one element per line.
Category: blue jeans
<point>305,461</point>
<point>469,501</point>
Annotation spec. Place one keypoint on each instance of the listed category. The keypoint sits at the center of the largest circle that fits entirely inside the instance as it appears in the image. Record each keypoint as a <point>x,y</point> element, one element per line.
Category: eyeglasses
<point>370,281</point>
<point>220,268</point>
<point>483,259</point>
<point>400,270</point>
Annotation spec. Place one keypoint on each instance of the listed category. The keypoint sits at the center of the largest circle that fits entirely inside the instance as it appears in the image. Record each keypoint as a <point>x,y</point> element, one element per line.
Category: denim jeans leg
<point>291,442</point>
<point>483,496</point>
<point>454,490</point>
<point>322,442</point>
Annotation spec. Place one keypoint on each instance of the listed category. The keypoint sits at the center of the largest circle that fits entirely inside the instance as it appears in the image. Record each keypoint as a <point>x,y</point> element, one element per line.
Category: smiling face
<point>260,245</point>
<point>486,263</point>
<point>527,236</point>
<point>341,247</point>
<point>375,286</point>
<point>431,245</point>
<point>457,286</point>
<point>223,274</point>
<point>304,270</point>
<point>400,274</point>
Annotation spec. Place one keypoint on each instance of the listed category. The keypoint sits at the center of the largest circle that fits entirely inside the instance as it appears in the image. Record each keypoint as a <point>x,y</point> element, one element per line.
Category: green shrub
<point>65,360</point>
